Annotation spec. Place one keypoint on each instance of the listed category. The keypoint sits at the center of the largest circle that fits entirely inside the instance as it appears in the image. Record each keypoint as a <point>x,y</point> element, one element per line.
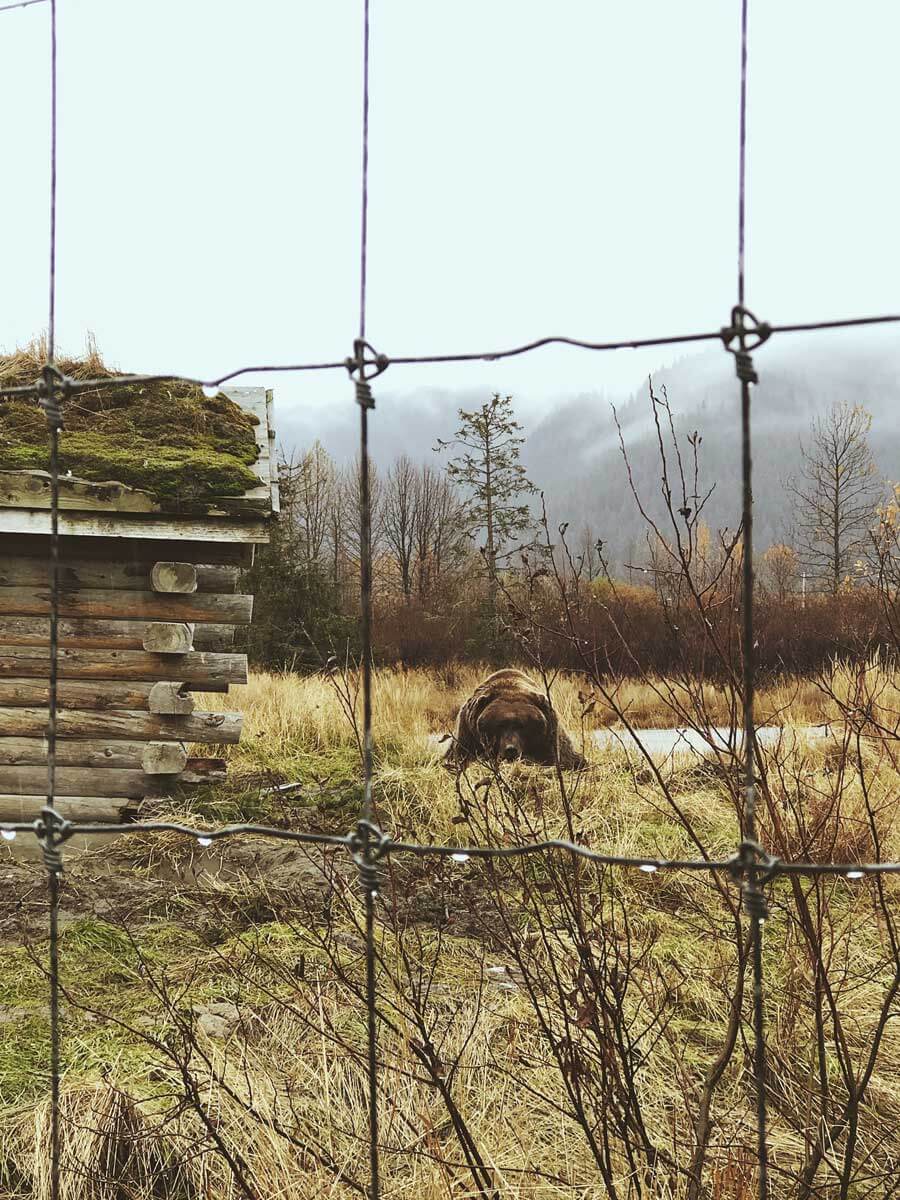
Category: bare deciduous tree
<point>836,495</point>
<point>309,486</point>
<point>439,529</point>
<point>780,563</point>
<point>399,519</point>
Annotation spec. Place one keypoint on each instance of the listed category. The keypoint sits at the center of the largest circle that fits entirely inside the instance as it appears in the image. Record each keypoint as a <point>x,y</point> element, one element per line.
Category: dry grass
<point>257,938</point>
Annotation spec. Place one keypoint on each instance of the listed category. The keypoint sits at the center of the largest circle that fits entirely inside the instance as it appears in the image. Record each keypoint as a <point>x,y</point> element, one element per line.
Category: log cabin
<point>148,609</point>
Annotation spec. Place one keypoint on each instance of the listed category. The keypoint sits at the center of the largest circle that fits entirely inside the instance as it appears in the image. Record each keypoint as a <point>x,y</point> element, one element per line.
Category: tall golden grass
<point>253,936</point>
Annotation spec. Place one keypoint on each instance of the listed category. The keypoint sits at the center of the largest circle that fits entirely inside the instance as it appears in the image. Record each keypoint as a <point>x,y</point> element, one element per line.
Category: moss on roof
<point>166,438</point>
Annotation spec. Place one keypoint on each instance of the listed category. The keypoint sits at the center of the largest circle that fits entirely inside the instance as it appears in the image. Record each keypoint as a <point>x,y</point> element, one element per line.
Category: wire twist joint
<point>368,363</point>
<point>368,844</point>
<point>51,831</point>
<point>744,334</point>
<point>52,386</point>
<point>753,867</point>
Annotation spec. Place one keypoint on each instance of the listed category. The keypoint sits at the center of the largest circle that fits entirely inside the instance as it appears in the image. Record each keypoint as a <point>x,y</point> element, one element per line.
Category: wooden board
<point>109,603</point>
<point>29,571</point>
<point>206,529</point>
<point>135,552</point>
<point>273,460</point>
<point>85,633</point>
<point>110,781</point>
<point>97,695</point>
<point>31,489</point>
<point>211,728</point>
<point>199,667</point>
<point>87,752</point>
<point>75,781</point>
<point>259,402</point>
<point>101,810</point>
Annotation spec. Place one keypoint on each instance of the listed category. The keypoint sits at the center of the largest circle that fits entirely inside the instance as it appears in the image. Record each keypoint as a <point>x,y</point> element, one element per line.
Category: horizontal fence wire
<point>751,867</point>
<point>383,846</point>
<point>77,386</point>
<point>21,4</point>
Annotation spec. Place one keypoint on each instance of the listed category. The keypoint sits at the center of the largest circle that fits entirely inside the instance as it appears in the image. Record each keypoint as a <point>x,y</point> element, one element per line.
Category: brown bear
<point>509,717</point>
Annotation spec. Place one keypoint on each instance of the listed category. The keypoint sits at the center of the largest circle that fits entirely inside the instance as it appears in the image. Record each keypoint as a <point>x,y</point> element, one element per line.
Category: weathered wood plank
<point>86,633</point>
<point>96,695</point>
<point>22,570</point>
<point>273,462</point>
<point>254,400</point>
<point>75,781</point>
<point>86,752</point>
<point>128,725</point>
<point>33,662</point>
<point>135,552</point>
<point>108,781</point>
<point>111,603</point>
<point>96,809</point>
<point>177,577</point>
<point>31,490</point>
<point>169,637</point>
<point>205,529</point>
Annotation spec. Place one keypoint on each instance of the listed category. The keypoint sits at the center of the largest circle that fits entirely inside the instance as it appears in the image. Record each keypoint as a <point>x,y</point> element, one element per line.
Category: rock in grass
<point>220,1019</point>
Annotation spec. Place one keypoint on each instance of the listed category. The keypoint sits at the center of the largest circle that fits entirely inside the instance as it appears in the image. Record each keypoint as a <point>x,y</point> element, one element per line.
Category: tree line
<point>453,536</point>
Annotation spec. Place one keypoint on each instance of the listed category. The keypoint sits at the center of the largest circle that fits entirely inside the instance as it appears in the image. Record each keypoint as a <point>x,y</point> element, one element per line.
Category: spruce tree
<point>488,471</point>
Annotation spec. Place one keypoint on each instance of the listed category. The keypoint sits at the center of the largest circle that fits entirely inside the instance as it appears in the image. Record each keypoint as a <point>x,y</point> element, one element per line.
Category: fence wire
<point>751,866</point>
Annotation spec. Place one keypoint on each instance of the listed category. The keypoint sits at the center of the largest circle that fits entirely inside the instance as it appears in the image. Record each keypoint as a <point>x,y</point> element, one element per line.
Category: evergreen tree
<point>489,472</point>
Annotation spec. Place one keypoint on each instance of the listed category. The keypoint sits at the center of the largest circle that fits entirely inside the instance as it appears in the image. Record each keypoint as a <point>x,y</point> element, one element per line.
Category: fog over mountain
<point>572,449</point>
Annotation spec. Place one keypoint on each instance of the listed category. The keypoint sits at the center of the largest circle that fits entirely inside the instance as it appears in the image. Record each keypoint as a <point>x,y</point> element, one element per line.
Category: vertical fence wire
<point>756,902</point>
<point>52,860</point>
<point>368,873</point>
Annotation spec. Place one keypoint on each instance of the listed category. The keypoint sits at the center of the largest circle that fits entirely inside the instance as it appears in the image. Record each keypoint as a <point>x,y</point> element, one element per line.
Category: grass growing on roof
<point>167,438</point>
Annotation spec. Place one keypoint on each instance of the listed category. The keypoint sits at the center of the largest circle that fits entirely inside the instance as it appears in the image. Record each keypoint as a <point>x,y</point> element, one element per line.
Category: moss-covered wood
<point>166,438</point>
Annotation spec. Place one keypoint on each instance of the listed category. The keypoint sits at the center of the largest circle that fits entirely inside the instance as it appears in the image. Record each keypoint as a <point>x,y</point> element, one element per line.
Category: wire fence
<point>751,867</point>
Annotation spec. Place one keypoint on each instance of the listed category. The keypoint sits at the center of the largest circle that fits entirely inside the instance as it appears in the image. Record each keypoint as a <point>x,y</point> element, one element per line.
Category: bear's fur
<point>509,717</point>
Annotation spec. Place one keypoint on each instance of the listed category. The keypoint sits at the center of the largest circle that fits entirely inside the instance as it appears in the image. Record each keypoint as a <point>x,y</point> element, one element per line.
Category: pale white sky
<point>535,168</point>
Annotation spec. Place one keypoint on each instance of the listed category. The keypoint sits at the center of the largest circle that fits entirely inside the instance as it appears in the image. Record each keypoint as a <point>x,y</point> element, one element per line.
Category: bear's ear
<point>465,743</point>
<point>474,707</point>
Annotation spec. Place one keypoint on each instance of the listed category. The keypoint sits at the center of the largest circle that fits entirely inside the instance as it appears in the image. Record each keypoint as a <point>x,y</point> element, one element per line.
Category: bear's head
<point>517,726</point>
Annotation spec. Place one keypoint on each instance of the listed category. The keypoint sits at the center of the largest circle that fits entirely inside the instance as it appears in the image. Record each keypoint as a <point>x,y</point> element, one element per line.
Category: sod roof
<point>165,438</point>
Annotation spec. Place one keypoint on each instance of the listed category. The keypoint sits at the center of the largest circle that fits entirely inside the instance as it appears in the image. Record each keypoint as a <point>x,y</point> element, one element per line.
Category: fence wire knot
<point>753,867</point>
<point>51,831</point>
<point>52,386</point>
<point>744,334</point>
<point>368,845</point>
<point>369,364</point>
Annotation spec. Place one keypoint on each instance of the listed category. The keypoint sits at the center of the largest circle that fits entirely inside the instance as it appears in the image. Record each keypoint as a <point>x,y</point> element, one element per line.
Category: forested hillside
<point>572,453</point>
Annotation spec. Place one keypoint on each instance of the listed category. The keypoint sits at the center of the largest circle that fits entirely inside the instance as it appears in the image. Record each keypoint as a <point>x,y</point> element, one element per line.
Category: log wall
<point>144,623</point>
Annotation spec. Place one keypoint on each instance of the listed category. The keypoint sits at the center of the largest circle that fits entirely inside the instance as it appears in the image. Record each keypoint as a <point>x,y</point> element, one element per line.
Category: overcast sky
<point>565,167</point>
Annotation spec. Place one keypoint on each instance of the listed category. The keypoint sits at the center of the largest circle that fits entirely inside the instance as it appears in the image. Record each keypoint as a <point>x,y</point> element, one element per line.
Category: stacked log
<point>136,639</point>
<point>148,608</point>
